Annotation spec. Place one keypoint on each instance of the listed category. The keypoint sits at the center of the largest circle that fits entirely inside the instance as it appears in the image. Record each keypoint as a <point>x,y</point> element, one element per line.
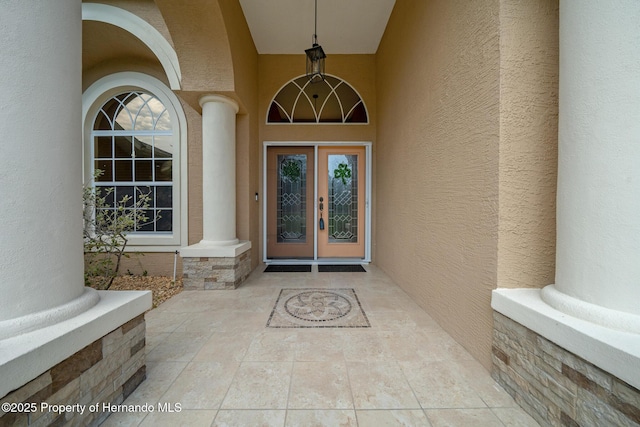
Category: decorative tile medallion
<point>318,308</point>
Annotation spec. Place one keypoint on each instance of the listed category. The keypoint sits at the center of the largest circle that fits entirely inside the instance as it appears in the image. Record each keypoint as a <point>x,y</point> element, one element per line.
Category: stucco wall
<point>467,96</point>
<point>528,142</point>
<point>245,67</point>
<point>437,150</point>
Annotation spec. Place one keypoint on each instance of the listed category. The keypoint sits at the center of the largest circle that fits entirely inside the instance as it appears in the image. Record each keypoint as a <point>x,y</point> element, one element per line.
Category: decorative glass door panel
<point>341,196</point>
<point>290,224</point>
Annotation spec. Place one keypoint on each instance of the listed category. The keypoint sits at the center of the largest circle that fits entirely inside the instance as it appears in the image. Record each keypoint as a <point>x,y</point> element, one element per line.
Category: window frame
<point>317,112</point>
<point>93,99</point>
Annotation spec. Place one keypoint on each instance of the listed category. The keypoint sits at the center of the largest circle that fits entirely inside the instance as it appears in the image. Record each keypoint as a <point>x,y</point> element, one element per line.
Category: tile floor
<point>211,352</point>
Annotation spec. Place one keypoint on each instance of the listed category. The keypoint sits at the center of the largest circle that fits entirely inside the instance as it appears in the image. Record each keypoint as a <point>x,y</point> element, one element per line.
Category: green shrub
<point>106,226</point>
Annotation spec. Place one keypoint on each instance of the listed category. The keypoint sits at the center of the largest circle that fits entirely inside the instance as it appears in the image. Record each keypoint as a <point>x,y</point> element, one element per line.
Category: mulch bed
<point>161,287</point>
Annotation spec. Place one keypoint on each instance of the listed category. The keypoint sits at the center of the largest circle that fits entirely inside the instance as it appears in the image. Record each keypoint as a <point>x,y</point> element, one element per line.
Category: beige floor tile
<point>404,345</point>
<point>201,385</point>
<point>364,345</point>
<point>380,386</point>
<point>439,346</point>
<point>391,320</point>
<point>262,418</point>
<point>462,418</point>
<point>162,321</point>
<point>273,345</point>
<point>193,302</point>
<point>259,385</point>
<point>225,346</point>
<point>191,418</point>
<point>393,418</point>
<point>514,417</point>
<point>489,391</point>
<point>153,339</point>
<point>253,305</point>
<point>320,385</point>
<point>318,344</point>
<point>439,384</point>
<point>201,323</point>
<point>160,376</point>
<point>321,418</point>
<point>376,303</point>
<point>178,347</point>
<point>239,322</point>
<point>124,419</point>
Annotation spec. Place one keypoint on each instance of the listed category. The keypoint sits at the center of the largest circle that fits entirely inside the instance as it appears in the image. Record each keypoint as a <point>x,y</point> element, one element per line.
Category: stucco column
<point>41,254</point>
<point>598,198</point>
<point>218,170</point>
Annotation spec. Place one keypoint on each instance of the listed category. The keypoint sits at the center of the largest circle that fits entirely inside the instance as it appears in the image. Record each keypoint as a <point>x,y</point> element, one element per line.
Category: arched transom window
<point>330,101</point>
<point>133,147</point>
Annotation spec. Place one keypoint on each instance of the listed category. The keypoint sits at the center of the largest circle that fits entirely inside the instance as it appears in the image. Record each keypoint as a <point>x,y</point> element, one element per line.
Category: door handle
<point>321,222</point>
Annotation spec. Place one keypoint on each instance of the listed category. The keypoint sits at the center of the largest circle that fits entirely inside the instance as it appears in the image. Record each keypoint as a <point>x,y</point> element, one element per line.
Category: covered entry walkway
<point>212,353</point>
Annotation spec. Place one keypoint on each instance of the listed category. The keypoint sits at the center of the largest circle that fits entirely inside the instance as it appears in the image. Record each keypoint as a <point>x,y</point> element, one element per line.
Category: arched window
<point>330,101</point>
<point>133,148</point>
<point>133,135</point>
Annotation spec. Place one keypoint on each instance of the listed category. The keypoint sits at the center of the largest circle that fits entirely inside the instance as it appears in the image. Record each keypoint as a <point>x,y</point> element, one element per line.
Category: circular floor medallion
<point>318,306</point>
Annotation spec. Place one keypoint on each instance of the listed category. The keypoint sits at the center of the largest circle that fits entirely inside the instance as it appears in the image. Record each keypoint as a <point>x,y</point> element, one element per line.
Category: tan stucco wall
<point>277,70</point>
<point>245,69</point>
<point>528,142</point>
<point>437,175</point>
<point>200,38</point>
<point>467,96</point>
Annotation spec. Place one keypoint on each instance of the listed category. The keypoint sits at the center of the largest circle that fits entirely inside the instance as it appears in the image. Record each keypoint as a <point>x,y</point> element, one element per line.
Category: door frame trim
<point>367,204</point>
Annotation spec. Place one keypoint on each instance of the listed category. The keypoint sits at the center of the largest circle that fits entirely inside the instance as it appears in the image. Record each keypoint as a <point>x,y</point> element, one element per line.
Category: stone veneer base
<point>102,373</point>
<point>207,273</point>
<point>555,386</point>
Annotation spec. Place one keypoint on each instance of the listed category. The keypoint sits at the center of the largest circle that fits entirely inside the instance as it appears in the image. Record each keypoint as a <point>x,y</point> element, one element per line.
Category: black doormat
<point>341,268</point>
<point>298,268</point>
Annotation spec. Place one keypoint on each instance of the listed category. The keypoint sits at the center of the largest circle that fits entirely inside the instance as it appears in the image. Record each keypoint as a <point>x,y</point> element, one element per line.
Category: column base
<point>90,382</point>
<point>564,370</point>
<point>207,266</point>
<point>95,358</point>
<point>614,319</point>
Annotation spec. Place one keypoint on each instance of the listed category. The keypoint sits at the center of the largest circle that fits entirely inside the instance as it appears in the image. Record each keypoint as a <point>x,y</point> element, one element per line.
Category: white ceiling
<point>344,26</point>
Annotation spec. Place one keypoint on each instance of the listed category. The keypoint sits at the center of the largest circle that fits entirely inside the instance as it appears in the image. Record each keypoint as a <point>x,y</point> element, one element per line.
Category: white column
<point>598,200</point>
<point>218,170</point>
<point>40,165</point>
<point>218,181</point>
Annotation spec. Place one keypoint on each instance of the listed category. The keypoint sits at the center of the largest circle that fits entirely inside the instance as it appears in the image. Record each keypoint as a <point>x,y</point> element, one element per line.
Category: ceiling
<point>344,26</point>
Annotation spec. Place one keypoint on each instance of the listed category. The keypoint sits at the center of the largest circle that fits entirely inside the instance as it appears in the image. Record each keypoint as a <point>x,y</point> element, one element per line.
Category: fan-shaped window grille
<point>330,101</point>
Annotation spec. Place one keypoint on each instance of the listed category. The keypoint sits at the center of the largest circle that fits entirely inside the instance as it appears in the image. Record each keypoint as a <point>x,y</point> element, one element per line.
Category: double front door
<point>316,202</point>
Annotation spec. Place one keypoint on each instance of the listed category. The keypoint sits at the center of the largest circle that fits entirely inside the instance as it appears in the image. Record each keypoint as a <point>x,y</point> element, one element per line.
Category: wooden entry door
<point>290,193</point>
<point>341,202</point>
<point>298,217</point>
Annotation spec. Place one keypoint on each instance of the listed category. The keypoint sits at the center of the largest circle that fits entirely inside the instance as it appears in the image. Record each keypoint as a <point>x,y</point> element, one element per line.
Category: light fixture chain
<point>315,25</point>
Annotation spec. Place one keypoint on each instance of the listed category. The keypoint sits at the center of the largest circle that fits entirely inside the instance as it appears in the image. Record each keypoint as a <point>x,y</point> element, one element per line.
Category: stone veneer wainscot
<point>555,386</point>
<point>105,371</point>
<point>205,273</point>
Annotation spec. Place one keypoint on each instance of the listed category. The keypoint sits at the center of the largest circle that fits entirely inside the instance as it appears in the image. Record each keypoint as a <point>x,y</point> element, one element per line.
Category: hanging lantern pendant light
<point>315,55</point>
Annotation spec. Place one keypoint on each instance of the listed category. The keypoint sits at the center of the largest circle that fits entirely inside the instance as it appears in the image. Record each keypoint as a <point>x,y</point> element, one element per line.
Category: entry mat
<point>318,308</point>
<point>297,268</point>
<point>341,268</point>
